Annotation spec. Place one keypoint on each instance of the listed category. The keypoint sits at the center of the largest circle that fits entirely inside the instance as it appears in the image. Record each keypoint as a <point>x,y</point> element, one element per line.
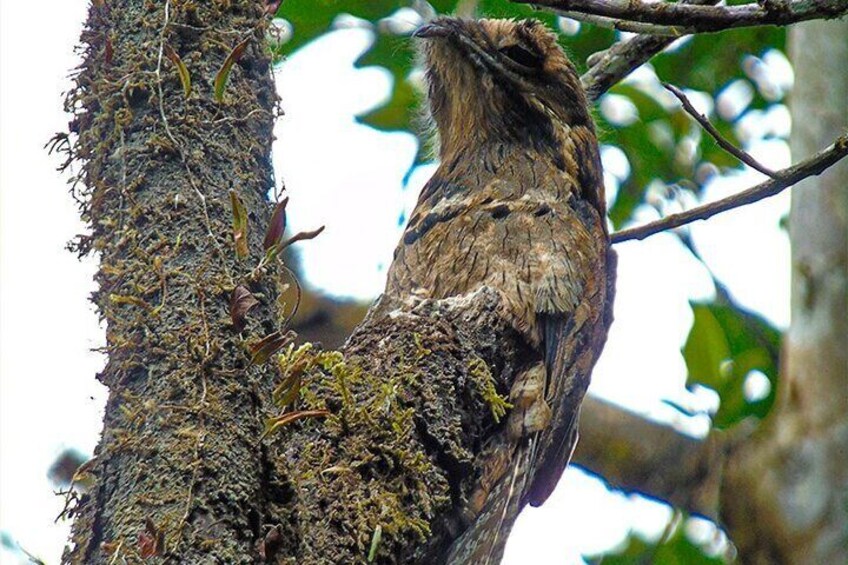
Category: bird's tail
<point>567,381</point>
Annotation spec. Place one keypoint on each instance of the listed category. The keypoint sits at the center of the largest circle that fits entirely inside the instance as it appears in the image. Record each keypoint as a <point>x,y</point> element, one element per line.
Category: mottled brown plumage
<point>517,204</point>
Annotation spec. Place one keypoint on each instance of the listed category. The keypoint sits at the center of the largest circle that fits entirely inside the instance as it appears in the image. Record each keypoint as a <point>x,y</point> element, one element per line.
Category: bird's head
<point>499,80</point>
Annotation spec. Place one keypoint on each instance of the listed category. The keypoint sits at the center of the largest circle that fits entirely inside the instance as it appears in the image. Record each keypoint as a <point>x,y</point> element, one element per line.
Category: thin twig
<point>710,129</point>
<point>687,18</point>
<point>625,25</point>
<point>611,65</point>
<point>815,165</point>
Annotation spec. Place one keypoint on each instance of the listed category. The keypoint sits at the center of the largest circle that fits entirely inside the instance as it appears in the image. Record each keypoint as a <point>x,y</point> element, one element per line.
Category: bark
<point>795,474</point>
<point>178,463</point>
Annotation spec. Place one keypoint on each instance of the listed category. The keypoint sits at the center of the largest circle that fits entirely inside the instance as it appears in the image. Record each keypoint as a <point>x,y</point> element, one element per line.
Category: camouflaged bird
<point>516,204</point>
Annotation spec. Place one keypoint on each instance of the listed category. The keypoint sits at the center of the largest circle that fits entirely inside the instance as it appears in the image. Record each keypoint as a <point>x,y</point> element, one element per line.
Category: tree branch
<point>783,180</point>
<point>623,25</point>
<point>710,129</point>
<point>610,66</point>
<point>681,19</point>
<point>634,454</point>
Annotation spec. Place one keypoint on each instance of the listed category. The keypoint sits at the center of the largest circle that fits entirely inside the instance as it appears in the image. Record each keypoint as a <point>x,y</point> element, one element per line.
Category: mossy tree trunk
<point>179,457</point>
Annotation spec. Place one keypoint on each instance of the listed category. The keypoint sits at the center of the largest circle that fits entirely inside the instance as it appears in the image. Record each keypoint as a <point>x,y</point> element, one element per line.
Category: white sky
<point>346,176</point>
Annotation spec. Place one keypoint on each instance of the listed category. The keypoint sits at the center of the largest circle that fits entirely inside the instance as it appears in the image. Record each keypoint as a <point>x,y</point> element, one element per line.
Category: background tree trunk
<point>786,494</point>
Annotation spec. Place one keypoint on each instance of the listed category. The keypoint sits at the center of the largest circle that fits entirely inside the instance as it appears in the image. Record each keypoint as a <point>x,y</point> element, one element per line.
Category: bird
<point>516,205</point>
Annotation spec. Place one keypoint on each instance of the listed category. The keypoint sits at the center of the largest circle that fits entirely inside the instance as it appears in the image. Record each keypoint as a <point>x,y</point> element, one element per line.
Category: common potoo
<point>516,204</point>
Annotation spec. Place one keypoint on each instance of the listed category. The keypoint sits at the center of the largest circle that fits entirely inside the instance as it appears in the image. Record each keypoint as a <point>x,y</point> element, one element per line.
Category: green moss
<point>498,404</point>
<point>371,432</point>
<point>420,350</point>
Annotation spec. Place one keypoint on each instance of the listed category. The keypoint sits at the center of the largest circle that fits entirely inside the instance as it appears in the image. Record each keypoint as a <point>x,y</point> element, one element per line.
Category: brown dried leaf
<point>108,51</point>
<point>240,304</point>
<point>274,424</point>
<point>271,6</point>
<point>269,546</point>
<point>262,350</point>
<point>239,226</point>
<point>151,542</point>
<point>277,226</point>
<point>302,236</point>
<point>272,252</point>
<point>223,75</point>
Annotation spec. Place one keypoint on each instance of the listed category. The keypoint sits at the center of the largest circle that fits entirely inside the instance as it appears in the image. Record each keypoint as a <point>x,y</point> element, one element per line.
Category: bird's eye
<point>523,56</point>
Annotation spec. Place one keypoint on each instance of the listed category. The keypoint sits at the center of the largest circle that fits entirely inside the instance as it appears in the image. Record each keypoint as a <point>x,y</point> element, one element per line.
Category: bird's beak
<point>431,30</point>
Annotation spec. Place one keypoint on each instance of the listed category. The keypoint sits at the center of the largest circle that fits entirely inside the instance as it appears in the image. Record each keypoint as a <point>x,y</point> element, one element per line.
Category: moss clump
<point>482,376</point>
<point>366,464</point>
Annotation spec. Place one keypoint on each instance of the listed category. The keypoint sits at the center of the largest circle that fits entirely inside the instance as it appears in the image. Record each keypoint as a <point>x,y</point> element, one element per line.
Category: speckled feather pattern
<point>513,225</point>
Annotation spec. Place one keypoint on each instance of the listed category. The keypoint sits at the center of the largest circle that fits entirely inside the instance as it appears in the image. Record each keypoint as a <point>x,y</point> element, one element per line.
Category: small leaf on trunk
<point>223,76</point>
<point>375,543</point>
<point>151,542</point>
<point>269,546</point>
<point>274,424</point>
<point>108,51</point>
<point>277,226</point>
<point>288,391</point>
<point>272,252</point>
<point>182,70</point>
<point>240,304</point>
<point>302,236</point>
<point>239,226</point>
<point>271,6</point>
<point>262,350</point>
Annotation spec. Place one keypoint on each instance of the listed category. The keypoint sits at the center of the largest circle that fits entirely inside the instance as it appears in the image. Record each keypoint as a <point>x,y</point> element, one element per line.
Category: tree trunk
<point>178,463</point>
<point>785,494</point>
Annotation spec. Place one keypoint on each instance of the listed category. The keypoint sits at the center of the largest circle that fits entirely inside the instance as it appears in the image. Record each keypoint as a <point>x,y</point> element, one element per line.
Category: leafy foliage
<point>676,550</point>
<point>697,65</point>
<point>725,344</point>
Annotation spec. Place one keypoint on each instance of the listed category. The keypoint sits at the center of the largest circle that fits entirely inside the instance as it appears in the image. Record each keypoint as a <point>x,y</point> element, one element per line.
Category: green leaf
<point>182,70</point>
<point>677,550</point>
<point>223,75</point>
<point>724,345</point>
<point>311,18</point>
<point>240,226</point>
<point>649,157</point>
<point>700,65</point>
<point>375,543</point>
